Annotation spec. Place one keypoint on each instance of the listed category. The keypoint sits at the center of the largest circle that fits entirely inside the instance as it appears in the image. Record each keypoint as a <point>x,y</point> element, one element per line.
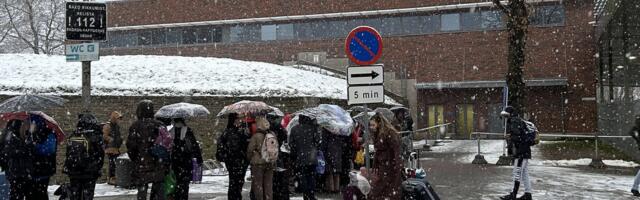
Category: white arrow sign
<point>369,75</point>
<point>366,94</point>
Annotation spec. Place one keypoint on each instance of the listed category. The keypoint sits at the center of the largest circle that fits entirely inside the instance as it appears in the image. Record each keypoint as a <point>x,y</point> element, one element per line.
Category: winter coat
<point>332,147</point>
<point>96,154</point>
<point>44,165</point>
<point>112,138</point>
<point>520,146</point>
<point>388,168</point>
<point>232,146</point>
<point>304,141</point>
<point>185,148</point>
<point>17,156</point>
<point>140,141</point>
<point>254,150</point>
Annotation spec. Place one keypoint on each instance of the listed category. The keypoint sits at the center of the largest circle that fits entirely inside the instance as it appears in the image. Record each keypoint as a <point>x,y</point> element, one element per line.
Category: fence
<point>596,161</point>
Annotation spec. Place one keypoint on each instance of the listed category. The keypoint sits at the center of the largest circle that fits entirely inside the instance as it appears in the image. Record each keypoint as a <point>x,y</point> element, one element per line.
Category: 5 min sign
<point>86,21</point>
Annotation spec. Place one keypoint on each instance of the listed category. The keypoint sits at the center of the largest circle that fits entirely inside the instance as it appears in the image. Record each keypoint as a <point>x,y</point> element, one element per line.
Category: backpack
<point>320,167</point>
<point>531,133</point>
<point>78,156</point>
<point>270,148</point>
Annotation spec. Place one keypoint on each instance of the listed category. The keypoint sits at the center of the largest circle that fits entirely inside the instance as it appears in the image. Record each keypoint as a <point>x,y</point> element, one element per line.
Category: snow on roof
<point>140,75</point>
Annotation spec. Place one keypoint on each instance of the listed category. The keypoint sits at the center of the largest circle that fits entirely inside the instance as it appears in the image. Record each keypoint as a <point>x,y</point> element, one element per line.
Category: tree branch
<point>502,7</point>
<point>15,28</point>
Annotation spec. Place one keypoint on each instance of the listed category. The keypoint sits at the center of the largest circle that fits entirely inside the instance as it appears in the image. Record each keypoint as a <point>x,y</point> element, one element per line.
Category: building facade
<point>454,50</point>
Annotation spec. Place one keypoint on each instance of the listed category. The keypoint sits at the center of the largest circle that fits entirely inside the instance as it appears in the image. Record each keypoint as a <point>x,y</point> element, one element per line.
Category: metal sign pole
<point>86,85</point>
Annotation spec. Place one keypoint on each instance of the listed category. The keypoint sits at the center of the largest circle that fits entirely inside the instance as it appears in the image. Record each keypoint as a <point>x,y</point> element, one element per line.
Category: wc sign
<point>82,52</point>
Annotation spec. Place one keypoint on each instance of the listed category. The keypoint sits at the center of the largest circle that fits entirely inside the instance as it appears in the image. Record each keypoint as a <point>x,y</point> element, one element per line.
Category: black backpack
<point>78,158</point>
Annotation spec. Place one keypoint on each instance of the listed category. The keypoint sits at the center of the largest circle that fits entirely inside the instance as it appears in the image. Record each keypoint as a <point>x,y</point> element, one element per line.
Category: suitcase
<point>196,172</point>
<point>418,189</point>
<point>124,167</point>
<point>4,187</point>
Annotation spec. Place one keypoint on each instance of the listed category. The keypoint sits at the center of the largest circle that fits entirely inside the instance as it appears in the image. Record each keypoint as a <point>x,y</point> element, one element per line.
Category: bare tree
<point>35,25</point>
<point>517,23</point>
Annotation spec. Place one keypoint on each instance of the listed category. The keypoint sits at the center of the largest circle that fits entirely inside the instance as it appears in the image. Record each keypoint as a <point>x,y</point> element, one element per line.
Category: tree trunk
<point>517,23</point>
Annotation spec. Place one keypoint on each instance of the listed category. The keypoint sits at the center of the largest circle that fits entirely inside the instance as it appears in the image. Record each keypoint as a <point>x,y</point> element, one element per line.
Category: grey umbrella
<point>30,102</point>
<point>182,110</point>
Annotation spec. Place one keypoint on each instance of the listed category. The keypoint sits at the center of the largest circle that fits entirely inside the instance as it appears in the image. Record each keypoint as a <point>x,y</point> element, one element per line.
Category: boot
<point>526,196</point>
<point>635,193</point>
<point>510,196</point>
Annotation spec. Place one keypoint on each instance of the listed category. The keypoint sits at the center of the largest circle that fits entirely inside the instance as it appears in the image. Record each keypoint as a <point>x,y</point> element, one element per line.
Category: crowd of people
<point>285,154</point>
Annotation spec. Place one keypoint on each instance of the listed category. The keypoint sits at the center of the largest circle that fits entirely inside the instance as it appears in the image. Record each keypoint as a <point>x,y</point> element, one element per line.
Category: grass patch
<point>570,149</point>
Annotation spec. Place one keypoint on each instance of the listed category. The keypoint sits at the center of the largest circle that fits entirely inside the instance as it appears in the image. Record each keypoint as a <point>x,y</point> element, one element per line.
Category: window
<point>338,29</point>
<point>373,22</point>
<point>391,26</point>
<point>216,35</point>
<point>450,22</point>
<point>173,36</point>
<point>130,39</point>
<point>471,21</point>
<point>189,36</point>
<point>321,30</point>
<point>547,16</point>
<point>144,37</point>
<point>158,37</point>
<point>414,25</point>
<point>203,35</point>
<point>303,31</point>
<point>268,32</point>
<point>284,32</point>
<point>245,33</point>
<point>492,20</point>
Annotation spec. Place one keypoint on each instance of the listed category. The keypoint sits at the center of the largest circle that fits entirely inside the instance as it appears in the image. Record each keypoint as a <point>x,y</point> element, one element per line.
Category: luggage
<point>124,167</point>
<point>4,187</point>
<point>196,172</point>
<point>418,189</point>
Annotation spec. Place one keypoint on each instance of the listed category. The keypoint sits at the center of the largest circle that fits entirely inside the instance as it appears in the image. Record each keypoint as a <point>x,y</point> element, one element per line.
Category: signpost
<point>85,22</point>
<point>82,52</point>
<point>363,46</point>
<point>504,159</point>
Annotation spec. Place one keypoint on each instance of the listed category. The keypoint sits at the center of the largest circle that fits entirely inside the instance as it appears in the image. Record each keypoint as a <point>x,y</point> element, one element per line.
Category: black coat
<point>17,156</point>
<point>140,141</point>
<point>232,146</point>
<point>183,152</point>
<point>520,146</point>
<point>332,146</point>
<point>93,168</point>
<point>304,141</point>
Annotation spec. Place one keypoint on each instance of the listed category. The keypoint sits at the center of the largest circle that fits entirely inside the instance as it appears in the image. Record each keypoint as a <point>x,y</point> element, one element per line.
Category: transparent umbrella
<point>30,102</point>
<point>182,110</point>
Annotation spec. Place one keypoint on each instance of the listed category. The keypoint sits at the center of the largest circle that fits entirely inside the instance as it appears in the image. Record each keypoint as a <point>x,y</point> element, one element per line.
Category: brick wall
<point>207,130</point>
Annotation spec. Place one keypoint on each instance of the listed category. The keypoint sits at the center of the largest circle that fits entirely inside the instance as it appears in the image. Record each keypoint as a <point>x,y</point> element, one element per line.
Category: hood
<point>115,115</point>
<point>145,109</point>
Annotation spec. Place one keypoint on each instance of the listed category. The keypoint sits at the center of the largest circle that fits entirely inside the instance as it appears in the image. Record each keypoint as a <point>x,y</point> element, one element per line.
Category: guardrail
<point>596,161</point>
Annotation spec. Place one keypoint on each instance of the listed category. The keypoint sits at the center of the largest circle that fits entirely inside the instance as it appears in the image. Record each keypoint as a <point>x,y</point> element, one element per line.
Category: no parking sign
<point>364,45</point>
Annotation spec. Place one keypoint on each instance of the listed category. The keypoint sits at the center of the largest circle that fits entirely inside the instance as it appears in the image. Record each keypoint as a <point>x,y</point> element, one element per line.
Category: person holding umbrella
<point>232,150</point>
<point>304,142</point>
<point>185,149</point>
<point>29,143</point>
<point>185,146</point>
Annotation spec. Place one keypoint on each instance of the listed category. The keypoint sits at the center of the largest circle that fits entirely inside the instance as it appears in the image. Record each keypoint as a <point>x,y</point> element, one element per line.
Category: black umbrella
<point>30,102</point>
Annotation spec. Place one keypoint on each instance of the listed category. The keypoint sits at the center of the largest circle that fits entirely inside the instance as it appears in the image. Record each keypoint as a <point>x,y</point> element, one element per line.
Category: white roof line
<point>317,16</point>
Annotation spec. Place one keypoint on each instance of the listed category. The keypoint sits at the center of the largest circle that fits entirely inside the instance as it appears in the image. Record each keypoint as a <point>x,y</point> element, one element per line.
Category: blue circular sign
<point>364,45</point>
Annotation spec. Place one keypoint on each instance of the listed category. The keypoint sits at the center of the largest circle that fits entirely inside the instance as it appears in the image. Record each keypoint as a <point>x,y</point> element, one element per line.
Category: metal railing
<point>596,161</point>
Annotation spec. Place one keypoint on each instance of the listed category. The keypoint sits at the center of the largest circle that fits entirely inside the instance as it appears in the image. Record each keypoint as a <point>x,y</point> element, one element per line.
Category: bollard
<point>479,159</point>
<point>596,161</point>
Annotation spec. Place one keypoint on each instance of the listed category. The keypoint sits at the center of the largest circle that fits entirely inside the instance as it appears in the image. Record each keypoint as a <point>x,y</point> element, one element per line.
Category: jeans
<point>636,181</point>
<point>237,172</point>
<point>521,173</point>
<point>112,165</point>
<point>307,181</point>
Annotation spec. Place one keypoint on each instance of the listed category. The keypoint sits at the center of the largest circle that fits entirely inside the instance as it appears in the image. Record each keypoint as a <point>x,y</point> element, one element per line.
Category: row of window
<point>550,15</point>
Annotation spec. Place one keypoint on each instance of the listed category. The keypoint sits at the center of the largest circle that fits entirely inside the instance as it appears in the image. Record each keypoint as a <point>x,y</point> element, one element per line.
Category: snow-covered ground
<point>164,75</point>
<point>551,179</point>
<point>209,185</point>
